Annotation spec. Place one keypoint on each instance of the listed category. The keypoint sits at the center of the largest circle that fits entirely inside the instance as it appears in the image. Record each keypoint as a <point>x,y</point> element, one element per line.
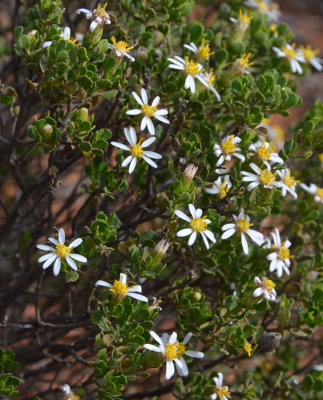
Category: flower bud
<point>83,114</point>
<point>92,39</point>
<point>188,176</point>
<point>47,131</point>
<point>159,252</point>
<point>32,34</point>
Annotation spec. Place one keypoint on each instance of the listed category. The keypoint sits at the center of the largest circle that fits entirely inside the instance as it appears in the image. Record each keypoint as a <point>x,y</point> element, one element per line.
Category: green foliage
<point>8,381</point>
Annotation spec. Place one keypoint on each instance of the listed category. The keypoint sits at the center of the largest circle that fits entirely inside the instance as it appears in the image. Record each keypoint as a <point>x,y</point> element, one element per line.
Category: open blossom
<point>60,252</point>
<point>220,392</point>
<point>220,187</point>
<point>209,77</point>
<point>243,21</point>
<point>315,190</point>
<point>280,258</point>
<point>65,34</point>
<point>227,149</point>
<point>292,55</point>
<point>121,289</point>
<point>121,48</point>
<point>173,351</point>
<point>310,56</point>
<point>197,225</point>
<point>266,288</point>
<point>241,64</point>
<point>99,16</point>
<point>203,52</point>
<point>264,151</point>
<point>265,7</point>
<point>287,183</point>
<point>242,226</point>
<point>136,150</point>
<point>261,177</point>
<point>192,70</point>
<point>148,111</point>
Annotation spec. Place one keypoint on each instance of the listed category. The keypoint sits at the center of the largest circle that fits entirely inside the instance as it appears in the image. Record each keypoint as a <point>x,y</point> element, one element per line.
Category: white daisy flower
<point>197,225</point>
<point>136,150</point>
<point>121,48</point>
<point>220,187</point>
<point>243,21</point>
<point>241,65</point>
<point>209,77</point>
<point>280,258</point>
<point>265,7</point>
<point>227,149</point>
<point>242,226</point>
<point>264,151</point>
<point>173,352</point>
<point>288,182</point>
<point>121,289</point>
<point>220,392</point>
<point>98,16</point>
<point>148,111</point>
<point>192,70</point>
<point>262,177</point>
<point>65,34</point>
<point>60,252</point>
<point>315,190</point>
<point>203,52</point>
<point>310,56</point>
<point>266,288</point>
<point>293,56</point>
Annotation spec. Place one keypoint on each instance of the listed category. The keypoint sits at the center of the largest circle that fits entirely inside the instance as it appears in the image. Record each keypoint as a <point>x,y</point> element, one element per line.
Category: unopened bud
<point>188,176</point>
<point>159,252</point>
<point>91,39</point>
<point>47,130</point>
<point>32,34</point>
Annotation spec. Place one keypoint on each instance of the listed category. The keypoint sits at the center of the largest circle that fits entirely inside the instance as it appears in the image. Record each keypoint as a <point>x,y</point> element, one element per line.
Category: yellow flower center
<point>273,27</point>
<point>283,252</point>
<point>290,52</point>
<point>262,6</point>
<point>223,189</point>
<point>69,40</point>
<point>174,350</point>
<point>308,52</point>
<point>72,396</point>
<point>192,67</point>
<point>62,251</point>
<point>100,11</point>
<point>222,391</point>
<point>242,224</point>
<point>121,46</point>
<point>319,192</point>
<point>120,288</point>
<point>228,147</point>
<point>267,285</point>
<point>244,61</point>
<point>149,111</point>
<point>137,150</point>
<point>204,51</point>
<point>199,224</point>
<point>267,177</point>
<point>210,77</point>
<point>244,20</point>
<point>264,152</point>
<point>289,180</point>
<point>247,348</point>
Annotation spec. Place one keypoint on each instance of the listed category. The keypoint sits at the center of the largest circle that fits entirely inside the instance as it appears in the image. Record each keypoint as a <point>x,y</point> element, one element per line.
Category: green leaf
<point>107,95</point>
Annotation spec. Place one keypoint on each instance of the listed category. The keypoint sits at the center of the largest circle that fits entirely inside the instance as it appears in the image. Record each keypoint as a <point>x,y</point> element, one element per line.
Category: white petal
<point>52,240</point>
<point>161,118</point>
<point>78,257</point>
<point>244,243</point>
<point>136,288</point>
<point>152,348</point>
<point>123,278</point>
<point>183,216</point>
<point>152,154</point>
<point>120,146</point>
<point>45,257</point>
<point>57,266</point>
<point>187,337</point>
<point>149,161</point>
<point>61,236</point>
<point>205,240</point>
<point>192,238</point>
<point>135,111</point>
<point>75,243</point>
<point>228,233</point>
<point>103,283</point>
<point>257,292</point>
<point>137,98</point>
<point>44,247</point>
<point>49,261</point>
<point>144,123</point>
<point>71,263</point>
<point>210,235</point>
<point>156,337</point>
<point>162,111</point>
<point>132,165</point>
<point>170,370</point>
<point>194,354</point>
<point>252,185</point>
<point>147,142</point>
<point>192,210</point>
<point>151,127</point>
<point>126,161</point>
<point>173,338</point>
<point>137,296</point>
<point>93,26</point>
<point>144,96</point>
<point>184,232</point>
<point>227,226</point>
<point>155,101</point>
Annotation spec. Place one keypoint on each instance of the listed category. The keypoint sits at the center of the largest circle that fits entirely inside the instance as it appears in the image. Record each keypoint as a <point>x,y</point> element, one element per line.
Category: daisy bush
<point>160,238</point>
